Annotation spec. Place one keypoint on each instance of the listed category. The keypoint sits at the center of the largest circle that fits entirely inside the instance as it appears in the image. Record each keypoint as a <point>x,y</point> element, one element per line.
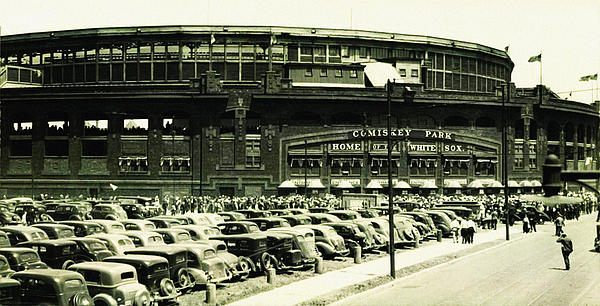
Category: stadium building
<point>254,110</point>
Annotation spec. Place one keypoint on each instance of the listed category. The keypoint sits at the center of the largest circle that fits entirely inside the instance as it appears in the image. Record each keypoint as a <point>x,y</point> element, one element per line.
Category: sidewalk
<point>318,285</point>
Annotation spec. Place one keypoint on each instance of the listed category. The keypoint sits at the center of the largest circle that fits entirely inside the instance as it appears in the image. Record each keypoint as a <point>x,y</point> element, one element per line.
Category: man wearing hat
<point>567,248</point>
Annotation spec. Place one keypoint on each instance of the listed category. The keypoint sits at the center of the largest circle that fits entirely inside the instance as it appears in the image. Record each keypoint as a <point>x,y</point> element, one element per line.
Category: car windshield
<point>118,227</point>
<point>66,233</point>
<point>150,226</point>
<point>208,254</point>
<point>155,240</point>
<point>95,246</point>
<point>212,231</point>
<point>95,229</point>
<point>183,237</point>
<point>253,228</point>
<point>125,242</point>
<point>28,257</point>
<point>160,267</point>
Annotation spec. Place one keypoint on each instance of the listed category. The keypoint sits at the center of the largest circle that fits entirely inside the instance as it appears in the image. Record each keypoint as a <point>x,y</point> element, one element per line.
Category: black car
<point>56,253</point>
<point>7,217</point>
<point>21,258</point>
<point>56,231</point>
<point>72,212</point>
<point>84,228</point>
<point>135,211</point>
<point>177,258</point>
<point>90,249</point>
<point>153,272</point>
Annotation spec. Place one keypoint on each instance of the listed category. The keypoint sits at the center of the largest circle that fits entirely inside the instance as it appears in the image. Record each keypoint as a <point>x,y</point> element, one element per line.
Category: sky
<point>566,32</point>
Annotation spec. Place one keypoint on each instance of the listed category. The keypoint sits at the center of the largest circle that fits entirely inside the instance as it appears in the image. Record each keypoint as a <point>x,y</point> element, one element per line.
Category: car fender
<point>325,248</point>
<point>67,264</point>
<point>198,275</point>
<point>105,298</point>
<point>111,217</point>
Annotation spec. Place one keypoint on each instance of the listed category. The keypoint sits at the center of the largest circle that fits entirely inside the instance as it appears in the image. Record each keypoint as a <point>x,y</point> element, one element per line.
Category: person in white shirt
<point>454,227</point>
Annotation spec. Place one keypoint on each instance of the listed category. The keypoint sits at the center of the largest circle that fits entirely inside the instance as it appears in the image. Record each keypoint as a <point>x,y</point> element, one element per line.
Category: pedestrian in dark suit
<point>567,249</point>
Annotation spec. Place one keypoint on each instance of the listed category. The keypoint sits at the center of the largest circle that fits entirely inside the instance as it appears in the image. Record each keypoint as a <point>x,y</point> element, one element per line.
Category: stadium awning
<point>402,185</point>
<point>373,184</point>
<point>287,184</point>
<point>379,73</point>
<point>344,184</point>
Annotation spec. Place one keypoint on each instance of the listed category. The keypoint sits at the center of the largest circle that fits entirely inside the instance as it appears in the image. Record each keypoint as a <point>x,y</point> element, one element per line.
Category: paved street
<point>528,271</point>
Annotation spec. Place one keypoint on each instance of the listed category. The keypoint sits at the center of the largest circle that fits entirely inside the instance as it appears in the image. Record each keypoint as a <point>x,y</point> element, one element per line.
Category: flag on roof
<point>584,78</point>
<point>536,58</point>
<point>212,39</point>
<point>594,77</point>
<point>113,186</point>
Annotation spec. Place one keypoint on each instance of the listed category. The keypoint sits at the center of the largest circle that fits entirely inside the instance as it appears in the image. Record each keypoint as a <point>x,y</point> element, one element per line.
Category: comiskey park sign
<point>403,134</point>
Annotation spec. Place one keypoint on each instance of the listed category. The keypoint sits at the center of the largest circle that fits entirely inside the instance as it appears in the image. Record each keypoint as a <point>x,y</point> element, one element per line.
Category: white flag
<point>113,186</point>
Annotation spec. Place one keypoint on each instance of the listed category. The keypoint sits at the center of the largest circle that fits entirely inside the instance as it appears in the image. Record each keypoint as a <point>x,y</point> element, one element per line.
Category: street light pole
<point>390,187</point>
<point>305,168</point>
<point>505,158</point>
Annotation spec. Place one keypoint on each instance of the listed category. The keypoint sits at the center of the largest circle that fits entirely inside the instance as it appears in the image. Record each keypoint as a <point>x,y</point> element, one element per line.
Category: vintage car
<point>205,218</point>
<point>7,217</point>
<point>282,252</point>
<point>204,265</point>
<point>56,231</point>
<point>84,206</point>
<point>84,228</point>
<point>145,238</point>
<point>318,210</point>
<point>441,221</point>
<point>110,226</point>
<point>21,259</point>
<point>382,227</point>
<point>254,213</point>
<point>270,222</point>
<point>53,287</point>
<point>56,253</point>
<point>4,240</point>
<point>200,232</point>
<point>177,258</point>
<point>350,232</point>
<point>10,291</point>
<point>174,235</point>
<point>118,244</point>
<point>137,225</point>
<point>304,240</point>
<point>161,222</point>
<point>5,270</point>
<point>421,228</point>
<point>376,240</point>
<point>408,234</point>
<point>318,218</point>
<point>280,212</point>
<point>250,246</point>
<point>36,212</point>
<point>18,233</point>
<point>238,227</point>
<point>108,212</point>
<point>299,211</point>
<point>345,215</point>
<point>183,220</point>
<point>111,283</point>
<point>153,272</point>
<point>69,211</point>
<point>135,210</point>
<point>294,220</point>
<point>90,249</point>
<point>369,213</point>
<point>327,240</point>
<point>151,205</point>
<point>232,216</point>
<point>424,218</point>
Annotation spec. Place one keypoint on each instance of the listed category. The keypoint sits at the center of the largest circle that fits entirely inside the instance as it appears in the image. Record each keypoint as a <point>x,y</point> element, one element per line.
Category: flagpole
<point>541,68</point>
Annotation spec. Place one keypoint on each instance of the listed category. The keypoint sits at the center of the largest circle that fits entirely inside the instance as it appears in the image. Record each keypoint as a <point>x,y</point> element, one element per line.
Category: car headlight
<point>142,298</point>
<point>167,287</point>
<point>82,299</point>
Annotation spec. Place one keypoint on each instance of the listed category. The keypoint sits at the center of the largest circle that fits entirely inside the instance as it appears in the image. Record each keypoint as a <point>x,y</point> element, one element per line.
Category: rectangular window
<point>308,72</point>
<point>323,72</point>
<point>252,151</point>
<point>56,147</point>
<point>402,72</point>
<point>338,73</point>
<point>353,73</point>
<point>414,73</point>
<point>306,54</point>
<point>20,147</point>
<point>518,163</point>
<point>93,148</point>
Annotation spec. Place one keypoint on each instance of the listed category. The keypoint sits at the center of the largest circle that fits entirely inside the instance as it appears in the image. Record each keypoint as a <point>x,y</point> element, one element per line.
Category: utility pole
<point>505,156</point>
<point>305,168</point>
<point>390,187</point>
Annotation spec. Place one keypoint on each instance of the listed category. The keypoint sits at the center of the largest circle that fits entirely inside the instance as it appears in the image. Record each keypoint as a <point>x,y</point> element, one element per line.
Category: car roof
<point>167,249</point>
<point>52,225</point>
<point>54,275</point>
<point>267,219</point>
<point>16,250</point>
<point>170,230</point>
<point>142,233</point>
<point>111,268</point>
<point>54,242</point>
<point>108,236</point>
<point>21,228</point>
<point>146,259</point>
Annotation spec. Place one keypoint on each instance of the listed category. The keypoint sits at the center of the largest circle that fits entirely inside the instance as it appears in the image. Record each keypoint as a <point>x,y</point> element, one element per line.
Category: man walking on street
<point>567,248</point>
<point>559,223</point>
